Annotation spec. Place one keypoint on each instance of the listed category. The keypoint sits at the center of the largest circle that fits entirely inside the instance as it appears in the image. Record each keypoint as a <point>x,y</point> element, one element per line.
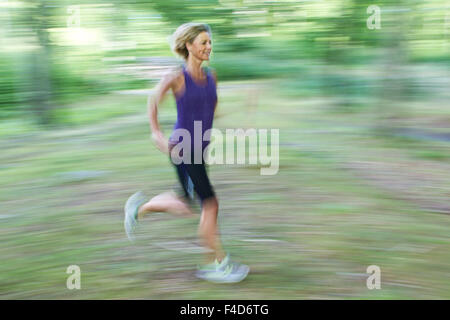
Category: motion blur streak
<point>358,89</point>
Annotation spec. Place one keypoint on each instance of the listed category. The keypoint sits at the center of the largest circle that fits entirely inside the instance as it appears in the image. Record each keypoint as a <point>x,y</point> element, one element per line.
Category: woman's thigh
<point>200,180</point>
<point>198,176</point>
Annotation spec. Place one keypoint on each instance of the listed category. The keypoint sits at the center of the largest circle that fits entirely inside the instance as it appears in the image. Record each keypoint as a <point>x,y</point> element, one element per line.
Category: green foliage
<point>251,39</point>
<point>248,66</point>
<point>9,87</point>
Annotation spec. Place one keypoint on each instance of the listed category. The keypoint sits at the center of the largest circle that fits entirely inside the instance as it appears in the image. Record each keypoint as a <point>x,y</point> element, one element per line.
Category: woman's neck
<point>194,67</point>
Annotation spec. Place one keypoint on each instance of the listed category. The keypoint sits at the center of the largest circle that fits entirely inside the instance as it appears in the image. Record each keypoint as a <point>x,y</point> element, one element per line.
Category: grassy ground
<point>343,199</point>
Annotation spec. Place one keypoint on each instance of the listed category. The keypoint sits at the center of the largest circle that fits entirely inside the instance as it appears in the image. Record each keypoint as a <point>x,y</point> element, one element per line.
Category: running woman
<point>194,89</point>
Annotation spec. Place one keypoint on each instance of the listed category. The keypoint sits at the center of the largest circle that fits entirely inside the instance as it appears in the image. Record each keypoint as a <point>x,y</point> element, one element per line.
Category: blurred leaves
<point>56,51</point>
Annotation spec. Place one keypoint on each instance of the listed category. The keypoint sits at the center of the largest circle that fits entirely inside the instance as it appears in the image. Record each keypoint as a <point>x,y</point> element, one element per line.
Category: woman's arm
<point>154,101</point>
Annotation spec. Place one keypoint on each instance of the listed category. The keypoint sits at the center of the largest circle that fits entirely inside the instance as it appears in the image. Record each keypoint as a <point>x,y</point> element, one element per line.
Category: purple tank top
<point>196,104</point>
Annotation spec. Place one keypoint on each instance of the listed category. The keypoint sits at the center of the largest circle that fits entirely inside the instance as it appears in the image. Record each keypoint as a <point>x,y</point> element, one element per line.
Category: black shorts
<point>193,177</point>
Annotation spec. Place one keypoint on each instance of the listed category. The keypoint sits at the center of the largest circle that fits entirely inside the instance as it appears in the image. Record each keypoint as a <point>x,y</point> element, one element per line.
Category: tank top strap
<point>187,77</point>
<point>208,72</point>
<point>210,78</point>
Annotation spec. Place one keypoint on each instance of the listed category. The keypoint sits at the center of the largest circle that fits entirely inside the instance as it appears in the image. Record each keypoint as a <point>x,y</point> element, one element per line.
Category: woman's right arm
<point>153,102</point>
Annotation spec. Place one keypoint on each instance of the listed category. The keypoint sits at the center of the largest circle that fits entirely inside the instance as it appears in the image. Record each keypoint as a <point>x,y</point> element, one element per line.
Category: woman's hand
<point>161,142</point>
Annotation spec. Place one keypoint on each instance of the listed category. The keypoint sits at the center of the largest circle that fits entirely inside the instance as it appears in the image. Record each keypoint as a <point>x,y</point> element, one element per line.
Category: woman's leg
<point>169,201</point>
<point>208,230</point>
<point>165,202</point>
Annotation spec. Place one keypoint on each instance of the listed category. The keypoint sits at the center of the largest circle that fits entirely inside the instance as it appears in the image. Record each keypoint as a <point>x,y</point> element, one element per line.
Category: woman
<point>194,89</point>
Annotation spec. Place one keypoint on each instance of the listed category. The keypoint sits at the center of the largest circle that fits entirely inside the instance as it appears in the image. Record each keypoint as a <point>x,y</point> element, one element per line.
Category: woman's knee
<point>211,203</point>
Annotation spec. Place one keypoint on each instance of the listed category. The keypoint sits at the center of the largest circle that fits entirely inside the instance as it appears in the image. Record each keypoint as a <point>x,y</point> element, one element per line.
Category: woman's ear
<point>188,46</point>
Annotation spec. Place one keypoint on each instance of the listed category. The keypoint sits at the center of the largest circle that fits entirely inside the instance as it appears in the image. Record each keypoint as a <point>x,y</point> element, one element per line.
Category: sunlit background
<point>359,90</point>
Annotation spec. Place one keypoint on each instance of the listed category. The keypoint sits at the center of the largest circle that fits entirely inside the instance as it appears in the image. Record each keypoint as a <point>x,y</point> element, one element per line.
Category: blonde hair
<point>187,33</point>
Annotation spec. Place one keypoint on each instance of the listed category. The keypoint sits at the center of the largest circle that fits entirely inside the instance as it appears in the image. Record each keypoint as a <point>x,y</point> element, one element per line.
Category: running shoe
<point>224,272</point>
<point>131,212</point>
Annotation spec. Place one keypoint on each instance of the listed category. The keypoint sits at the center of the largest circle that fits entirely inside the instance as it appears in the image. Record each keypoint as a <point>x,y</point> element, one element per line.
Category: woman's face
<point>201,46</point>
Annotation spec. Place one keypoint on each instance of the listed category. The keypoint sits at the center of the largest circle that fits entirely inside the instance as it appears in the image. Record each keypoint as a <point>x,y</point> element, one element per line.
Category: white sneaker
<point>223,272</point>
<point>131,211</point>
